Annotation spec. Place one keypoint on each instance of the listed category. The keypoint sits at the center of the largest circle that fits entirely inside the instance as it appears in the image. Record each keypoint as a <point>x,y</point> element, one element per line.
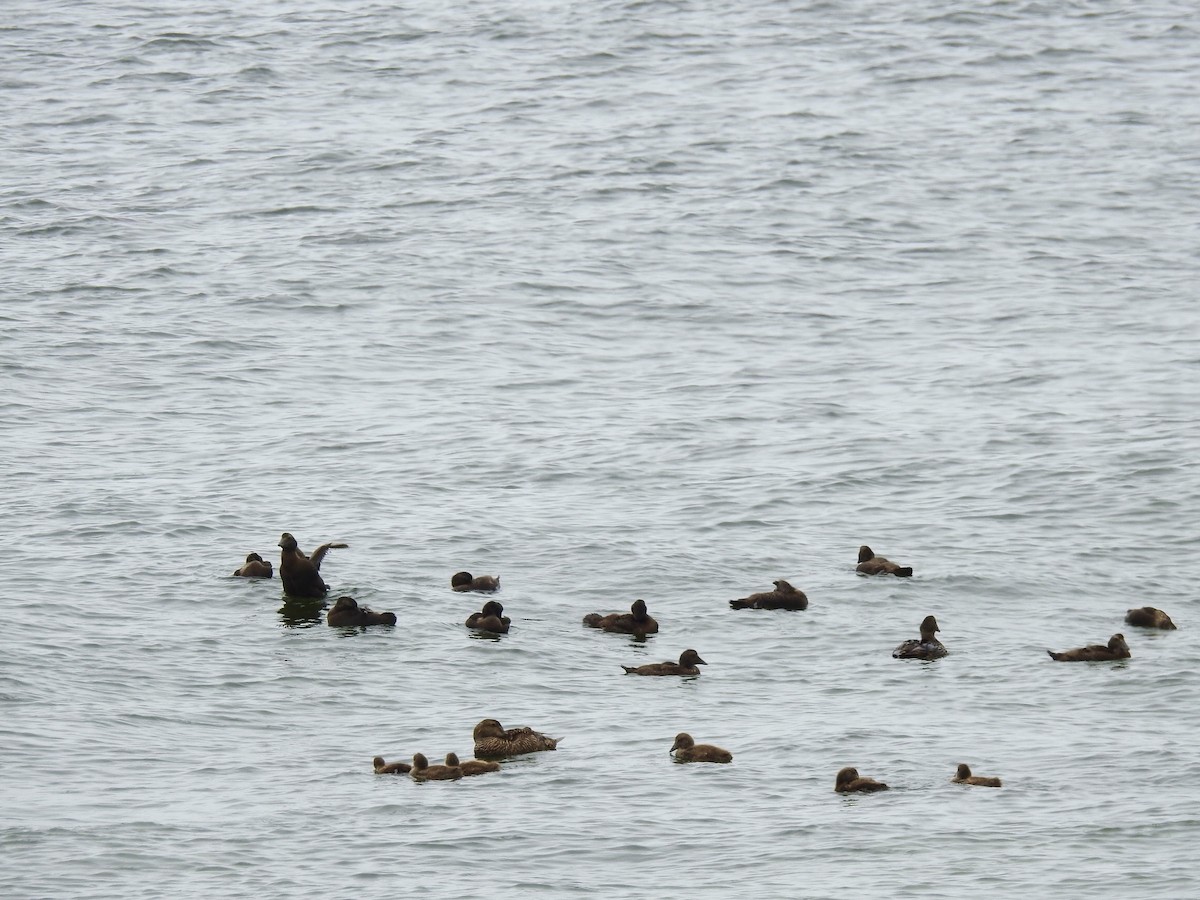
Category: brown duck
<point>255,567</point>
<point>636,621</point>
<point>484,584</point>
<point>387,768</point>
<point>301,576</point>
<point>1116,649</point>
<point>783,597</point>
<point>870,564</point>
<point>491,618</point>
<point>849,782</point>
<point>493,740</point>
<point>964,776</point>
<point>346,611</point>
<point>1149,617</point>
<point>423,771</point>
<point>927,647</point>
<point>688,661</point>
<point>687,750</point>
<point>472,766</point>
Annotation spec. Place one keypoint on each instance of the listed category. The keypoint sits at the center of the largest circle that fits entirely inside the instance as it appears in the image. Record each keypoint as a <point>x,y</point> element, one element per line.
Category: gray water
<point>614,300</point>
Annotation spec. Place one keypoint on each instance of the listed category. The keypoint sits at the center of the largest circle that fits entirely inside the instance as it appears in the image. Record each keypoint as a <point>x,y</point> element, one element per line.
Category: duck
<point>301,574</point>
<point>636,621</point>
<point>783,597</point>
<point>964,776</point>
<point>493,740</point>
<point>423,771</point>
<point>687,750</point>
<point>688,661</point>
<point>928,647</point>
<point>255,567</point>
<point>346,611</point>
<point>849,782</point>
<point>870,564</point>
<point>1116,649</point>
<point>491,618</point>
<point>1149,617</point>
<point>387,768</point>
<point>485,584</point>
<point>472,766</point>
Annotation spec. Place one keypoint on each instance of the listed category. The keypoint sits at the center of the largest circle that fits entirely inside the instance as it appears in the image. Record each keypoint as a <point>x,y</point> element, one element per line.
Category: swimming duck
<point>687,750</point>
<point>1149,617</point>
<point>300,574</point>
<point>870,564</point>
<point>346,611</point>
<point>255,567</point>
<point>472,766</point>
<point>387,768</point>
<point>928,647</point>
<point>1116,649</point>
<point>491,618</point>
<point>636,621</point>
<point>485,584</point>
<point>783,597</point>
<point>964,776</point>
<point>493,740</point>
<point>423,771</point>
<point>848,782</point>
<point>688,661</point>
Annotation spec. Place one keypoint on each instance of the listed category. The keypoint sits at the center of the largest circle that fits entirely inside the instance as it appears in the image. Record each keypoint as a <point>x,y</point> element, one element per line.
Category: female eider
<point>687,750</point>
<point>1149,617</point>
<point>346,611</point>
<point>783,597</point>
<point>493,740</point>
<point>849,782</point>
<point>255,567</point>
<point>688,661</point>
<point>636,621</point>
<point>1116,649</point>
<point>927,647</point>
<point>490,618</point>
<point>964,776</point>
<point>300,574</point>
<point>484,584</point>
<point>870,564</point>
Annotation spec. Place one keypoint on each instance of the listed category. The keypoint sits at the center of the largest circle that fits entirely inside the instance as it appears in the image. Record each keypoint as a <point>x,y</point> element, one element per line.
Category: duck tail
<point>1054,655</point>
<point>739,604</point>
<point>628,669</point>
<point>904,572</point>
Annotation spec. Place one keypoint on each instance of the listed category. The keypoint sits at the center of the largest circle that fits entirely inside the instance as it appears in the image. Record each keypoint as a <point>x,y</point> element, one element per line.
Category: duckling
<point>687,750</point>
<point>493,740</point>
<point>1149,617</point>
<point>346,611</point>
<point>387,768</point>
<point>848,782</point>
<point>484,584</point>
<point>870,564</point>
<point>255,567</point>
<point>1116,649</point>
<point>472,766</point>
<point>492,618</point>
<point>928,647</point>
<point>688,661</point>
<point>423,771</point>
<point>636,621</point>
<point>783,597</point>
<point>300,574</point>
<point>964,776</point>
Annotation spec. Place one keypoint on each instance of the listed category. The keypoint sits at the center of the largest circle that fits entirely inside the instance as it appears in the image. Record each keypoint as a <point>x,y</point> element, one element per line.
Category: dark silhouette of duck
<point>387,768</point>
<point>423,771</point>
<point>636,621</point>
<point>688,661</point>
<point>300,574</point>
<point>255,567</point>
<point>492,740</point>
<point>687,750</point>
<point>783,597</point>
<point>491,618</point>
<point>1149,617</point>
<point>964,776</point>
<point>870,564</point>
<point>484,584</point>
<point>927,647</point>
<point>1116,649</point>
<point>849,782</point>
<point>472,766</point>
<point>346,611</point>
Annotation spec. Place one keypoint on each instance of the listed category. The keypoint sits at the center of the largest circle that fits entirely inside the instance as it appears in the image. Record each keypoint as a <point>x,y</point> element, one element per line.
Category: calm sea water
<point>614,300</point>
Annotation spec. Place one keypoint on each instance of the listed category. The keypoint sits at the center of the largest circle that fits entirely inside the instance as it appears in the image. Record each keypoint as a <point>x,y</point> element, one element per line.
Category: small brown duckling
<point>848,782</point>
<point>636,621</point>
<point>783,597</point>
<point>255,567</point>
<point>870,564</point>
<point>423,771</point>
<point>472,766</point>
<point>346,611</point>
<point>1116,649</point>
<point>1149,617</point>
<point>300,574</point>
<point>387,768</point>
<point>687,750</point>
<point>688,661</point>
<point>964,776</point>
<point>491,618</point>
<point>928,647</point>
<point>493,740</point>
<point>484,584</point>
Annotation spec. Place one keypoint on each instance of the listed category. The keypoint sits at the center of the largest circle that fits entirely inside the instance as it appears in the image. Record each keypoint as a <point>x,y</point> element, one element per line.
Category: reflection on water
<point>302,613</point>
